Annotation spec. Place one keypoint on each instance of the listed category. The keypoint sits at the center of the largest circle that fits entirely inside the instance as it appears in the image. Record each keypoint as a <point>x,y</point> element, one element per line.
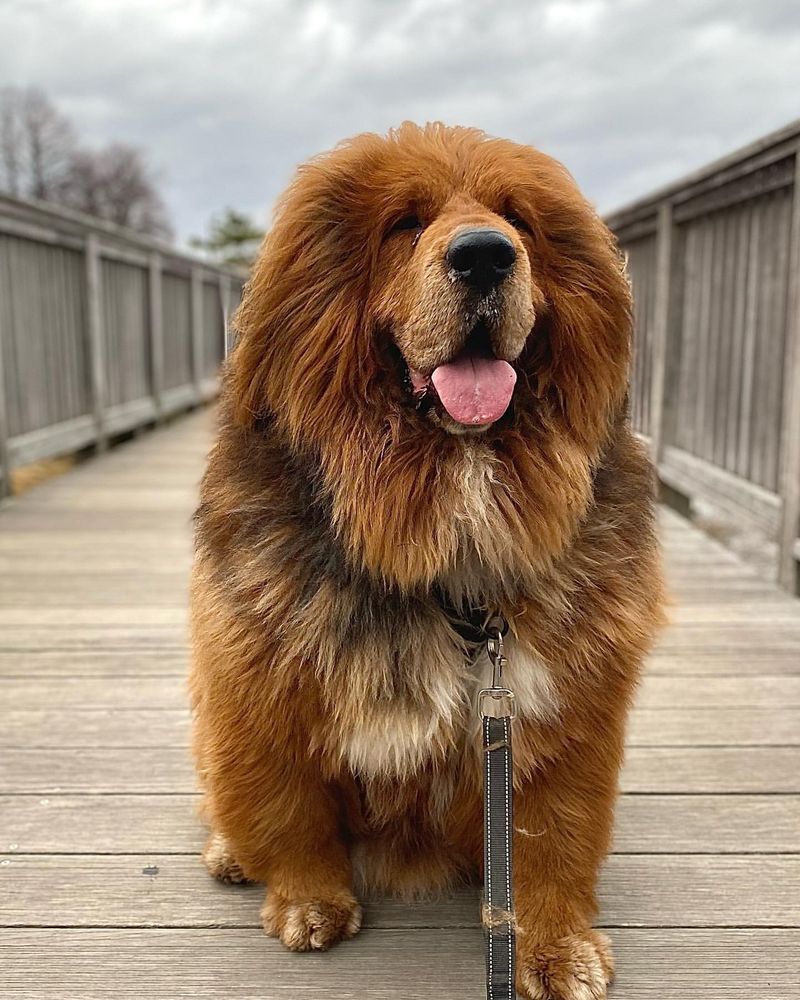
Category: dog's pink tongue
<point>475,389</point>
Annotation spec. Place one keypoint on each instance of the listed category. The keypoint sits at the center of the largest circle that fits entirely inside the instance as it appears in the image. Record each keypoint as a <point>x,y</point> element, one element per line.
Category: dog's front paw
<point>311,925</point>
<point>576,967</point>
<point>221,863</point>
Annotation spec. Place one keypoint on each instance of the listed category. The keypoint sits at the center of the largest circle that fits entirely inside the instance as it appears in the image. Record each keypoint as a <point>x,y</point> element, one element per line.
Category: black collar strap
<point>496,707</point>
<point>472,622</point>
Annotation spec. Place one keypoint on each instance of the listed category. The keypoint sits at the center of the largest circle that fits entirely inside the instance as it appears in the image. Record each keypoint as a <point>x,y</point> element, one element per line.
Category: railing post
<point>156,331</point>
<point>97,360</point>
<point>661,329</point>
<point>224,301</point>
<point>789,482</point>
<point>5,451</point>
<point>197,330</point>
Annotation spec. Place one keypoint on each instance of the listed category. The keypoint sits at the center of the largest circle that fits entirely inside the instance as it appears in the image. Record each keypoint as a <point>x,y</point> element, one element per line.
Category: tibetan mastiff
<point>424,420</point>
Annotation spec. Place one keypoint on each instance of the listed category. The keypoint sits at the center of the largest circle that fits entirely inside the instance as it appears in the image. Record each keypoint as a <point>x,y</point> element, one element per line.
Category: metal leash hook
<point>496,702</point>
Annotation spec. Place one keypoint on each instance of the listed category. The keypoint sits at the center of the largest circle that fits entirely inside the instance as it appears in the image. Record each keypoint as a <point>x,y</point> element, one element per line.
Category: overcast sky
<point>227,96</point>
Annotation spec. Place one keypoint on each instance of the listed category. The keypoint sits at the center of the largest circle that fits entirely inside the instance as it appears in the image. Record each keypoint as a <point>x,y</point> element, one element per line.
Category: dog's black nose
<point>481,257</point>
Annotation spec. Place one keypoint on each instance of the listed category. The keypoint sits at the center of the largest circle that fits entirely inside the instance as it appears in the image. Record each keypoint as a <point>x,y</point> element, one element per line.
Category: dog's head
<point>427,289</point>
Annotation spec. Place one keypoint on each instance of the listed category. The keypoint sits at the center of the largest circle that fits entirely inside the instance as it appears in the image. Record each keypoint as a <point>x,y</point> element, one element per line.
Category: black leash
<point>496,708</point>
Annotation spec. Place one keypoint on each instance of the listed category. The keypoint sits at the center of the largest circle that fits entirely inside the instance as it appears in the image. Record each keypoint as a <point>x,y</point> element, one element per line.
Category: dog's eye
<point>407,222</point>
<point>517,222</point>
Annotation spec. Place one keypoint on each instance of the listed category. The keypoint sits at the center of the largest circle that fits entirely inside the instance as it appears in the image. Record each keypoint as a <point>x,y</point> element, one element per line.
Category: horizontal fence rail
<point>714,262</point>
<point>101,331</point>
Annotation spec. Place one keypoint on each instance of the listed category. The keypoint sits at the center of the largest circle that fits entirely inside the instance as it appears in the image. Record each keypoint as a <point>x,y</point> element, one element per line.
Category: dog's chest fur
<point>394,738</point>
<point>416,702</point>
<point>398,689</point>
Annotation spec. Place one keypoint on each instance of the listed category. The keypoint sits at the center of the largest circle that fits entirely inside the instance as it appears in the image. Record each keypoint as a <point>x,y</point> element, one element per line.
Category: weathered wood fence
<point>101,331</point>
<point>714,261</point>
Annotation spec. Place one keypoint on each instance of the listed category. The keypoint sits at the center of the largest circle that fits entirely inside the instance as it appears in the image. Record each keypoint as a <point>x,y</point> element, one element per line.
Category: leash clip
<point>496,651</point>
<point>496,702</point>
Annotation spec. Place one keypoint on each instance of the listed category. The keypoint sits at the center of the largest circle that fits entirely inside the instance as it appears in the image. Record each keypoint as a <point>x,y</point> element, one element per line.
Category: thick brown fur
<point>335,729</point>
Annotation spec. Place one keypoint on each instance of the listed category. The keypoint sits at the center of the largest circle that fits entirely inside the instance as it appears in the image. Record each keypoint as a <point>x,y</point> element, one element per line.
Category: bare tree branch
<point>116,184</point>
<point>40,159</point>
<point>11,142</point>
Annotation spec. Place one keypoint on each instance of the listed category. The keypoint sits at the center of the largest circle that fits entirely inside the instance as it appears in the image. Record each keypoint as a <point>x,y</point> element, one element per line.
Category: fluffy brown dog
<point>424,417</point>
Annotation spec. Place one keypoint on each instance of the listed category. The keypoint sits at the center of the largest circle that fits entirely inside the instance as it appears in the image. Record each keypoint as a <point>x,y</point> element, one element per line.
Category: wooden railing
<point>101,331</point>
<point>715,265</point>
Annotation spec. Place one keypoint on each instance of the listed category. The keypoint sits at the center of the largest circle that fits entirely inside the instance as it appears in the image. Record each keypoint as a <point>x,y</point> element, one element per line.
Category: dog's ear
<point>587,329</point>
<point>304,342</point>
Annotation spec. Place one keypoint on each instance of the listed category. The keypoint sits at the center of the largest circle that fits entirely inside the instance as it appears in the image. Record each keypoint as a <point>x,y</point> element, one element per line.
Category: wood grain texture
<point>125,725</point>
<point>68,663</point>
<point>726,423</point>
<point>661,770</point>
<point>96,771</point>
<point>703,727</point>
<point>147,823</point>
<point>657,692</point>
<point>789,471</point>
<point>696,964</point>
<point>764,691</point>
<point>711,770</point>
<point>5,452</point>
<point>643,890</point>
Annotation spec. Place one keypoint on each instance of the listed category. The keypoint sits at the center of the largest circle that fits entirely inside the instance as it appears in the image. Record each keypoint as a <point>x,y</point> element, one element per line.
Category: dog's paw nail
<point>312,925</point>
<point>577,967</point>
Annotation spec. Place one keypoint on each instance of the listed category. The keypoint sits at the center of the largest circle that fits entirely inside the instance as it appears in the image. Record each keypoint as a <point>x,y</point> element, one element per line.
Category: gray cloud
<point>229,95</point>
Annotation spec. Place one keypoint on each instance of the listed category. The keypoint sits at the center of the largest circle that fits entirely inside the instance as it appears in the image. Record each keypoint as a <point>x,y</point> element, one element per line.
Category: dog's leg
<point>273,817</point>
<point>277,822</point>
<point>310,904</point>
<point>562,822</point>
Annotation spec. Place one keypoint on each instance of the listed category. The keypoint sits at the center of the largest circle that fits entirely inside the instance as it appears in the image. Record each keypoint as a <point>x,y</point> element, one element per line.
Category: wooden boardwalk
<point>103,894</point>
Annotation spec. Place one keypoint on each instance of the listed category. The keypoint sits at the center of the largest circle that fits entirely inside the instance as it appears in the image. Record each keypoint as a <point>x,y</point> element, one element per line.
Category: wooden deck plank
<point>80,591</point>
<point>721,663</point>
<point>738,639</point>
<point>93,637</point>
<point>779,611</point>
<point>70,616</point>
<point>763,691</point>
<point>51,771</point>
<point>693,964</point>
<point>126,725</point>
<point>766,642</point>
<point>96,728</point>
<point>92,660</point>
<point>662,770</point>
<point>168,824</point>
<point>657,692</point>
<point>714,727</point>
<point>711,770</point>
<point>655,890</point>
<point>72,611</point>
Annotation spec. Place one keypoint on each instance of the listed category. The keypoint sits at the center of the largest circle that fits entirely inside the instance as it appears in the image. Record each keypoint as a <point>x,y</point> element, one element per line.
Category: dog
<point>424,419</point>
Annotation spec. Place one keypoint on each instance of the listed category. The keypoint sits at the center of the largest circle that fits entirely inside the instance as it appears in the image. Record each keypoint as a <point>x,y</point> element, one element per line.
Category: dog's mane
<point>312,361</point>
